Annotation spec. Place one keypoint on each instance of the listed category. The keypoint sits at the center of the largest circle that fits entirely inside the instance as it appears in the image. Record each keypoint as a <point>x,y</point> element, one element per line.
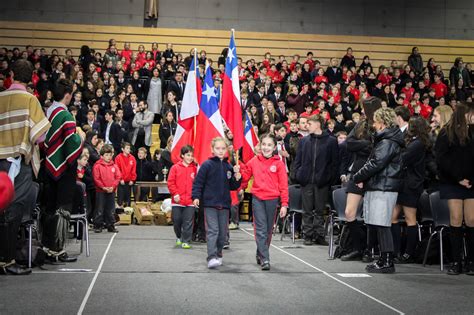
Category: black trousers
<point>314,200</point>
<point>10,220</point>
<point>124,195</point>
<point>104,211</point>
<point>61,195</point>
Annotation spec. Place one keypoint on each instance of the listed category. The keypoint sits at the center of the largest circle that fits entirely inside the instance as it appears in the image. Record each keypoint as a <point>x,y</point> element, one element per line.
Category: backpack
<point>38,255</point>
<point>344,242</point>
<point>433,250</point>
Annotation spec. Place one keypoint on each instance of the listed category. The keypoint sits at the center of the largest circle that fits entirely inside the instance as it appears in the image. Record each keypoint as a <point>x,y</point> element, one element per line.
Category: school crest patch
<point>273,168</point>
<point>229,174</point>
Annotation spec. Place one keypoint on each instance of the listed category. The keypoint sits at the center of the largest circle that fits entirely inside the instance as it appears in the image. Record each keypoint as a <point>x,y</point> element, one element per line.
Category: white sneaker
<point>220,261</point>
<point>213,263</point>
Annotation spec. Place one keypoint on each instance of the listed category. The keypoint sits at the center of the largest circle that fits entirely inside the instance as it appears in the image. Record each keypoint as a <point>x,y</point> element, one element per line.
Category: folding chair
<point>424,207</point>
<point>440,212</point>
<point>339,198</point>
<point>81,218</point>
<point>295,206</point>
<point>28,221</point>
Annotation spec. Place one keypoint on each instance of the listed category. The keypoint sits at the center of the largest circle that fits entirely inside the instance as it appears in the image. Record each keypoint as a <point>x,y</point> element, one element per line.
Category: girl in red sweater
<point>269,190</point>
<point>180,185</point>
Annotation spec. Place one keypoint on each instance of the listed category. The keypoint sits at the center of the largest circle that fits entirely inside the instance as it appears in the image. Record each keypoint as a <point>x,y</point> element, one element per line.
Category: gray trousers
<point>264,215</point>
<point>183,219</point>
<point>217,221</point>
<point>314,200</point>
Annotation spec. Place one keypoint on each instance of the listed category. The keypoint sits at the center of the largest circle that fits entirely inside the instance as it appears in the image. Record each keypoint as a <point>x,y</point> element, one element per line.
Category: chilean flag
<point>189,110</point>
<point>230,103</point>
<point>250,140</point>
<point>209,121</point>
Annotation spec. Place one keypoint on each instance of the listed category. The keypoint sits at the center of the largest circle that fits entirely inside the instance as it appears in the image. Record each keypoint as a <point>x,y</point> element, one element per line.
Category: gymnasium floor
<point>140,271</point>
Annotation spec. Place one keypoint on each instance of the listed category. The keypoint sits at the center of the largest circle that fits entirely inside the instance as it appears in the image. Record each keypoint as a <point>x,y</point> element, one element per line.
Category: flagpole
<point>195,120</point>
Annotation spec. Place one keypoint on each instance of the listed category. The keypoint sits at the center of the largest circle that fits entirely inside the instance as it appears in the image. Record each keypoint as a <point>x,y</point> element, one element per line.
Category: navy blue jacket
<point>317,160</point>
<point>213,183</point>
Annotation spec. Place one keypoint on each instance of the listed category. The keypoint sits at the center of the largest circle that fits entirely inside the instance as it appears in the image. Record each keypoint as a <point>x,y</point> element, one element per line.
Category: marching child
<point>127,165</point>
<point>269,190</point>
<point>211,190</point>
<point>106,178</point>
<point>180,185</point>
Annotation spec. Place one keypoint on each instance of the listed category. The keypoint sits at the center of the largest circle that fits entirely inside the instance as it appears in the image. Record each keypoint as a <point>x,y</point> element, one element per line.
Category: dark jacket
<point>317,160</point>
<point>348,61</point>
<point>382,171</point>
<point>416,63</point>
<point>213,183</point>
<point>144,171</point>
<point>413,167</point>
<point>166,130</point>
<point>334,76</point>
<point>174,86</point>
<point>456,73</point>
<point>115,136</point>
<point>455,162</point>
<point>360,150</point>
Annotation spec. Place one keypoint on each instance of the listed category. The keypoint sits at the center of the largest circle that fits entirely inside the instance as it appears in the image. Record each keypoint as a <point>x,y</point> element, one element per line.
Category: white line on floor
<point>91,286</point>
<point>333,277</point>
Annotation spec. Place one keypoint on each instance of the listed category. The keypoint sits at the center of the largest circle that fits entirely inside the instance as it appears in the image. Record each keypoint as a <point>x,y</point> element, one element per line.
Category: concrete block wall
<point>450,19</point>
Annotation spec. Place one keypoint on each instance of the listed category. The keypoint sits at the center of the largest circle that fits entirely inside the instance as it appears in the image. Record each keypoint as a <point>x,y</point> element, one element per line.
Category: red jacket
<point>106,175</point>
<point>180,182</point>
<point>440,89</point>
<point>270,178</point>
<point>127,166</point>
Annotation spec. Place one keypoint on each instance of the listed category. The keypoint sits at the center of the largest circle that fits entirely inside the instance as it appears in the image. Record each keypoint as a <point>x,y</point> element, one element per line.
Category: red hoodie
<point>106,175</point>
<point>127,166</point>
<point>270,178</point>
<point>180,182</point>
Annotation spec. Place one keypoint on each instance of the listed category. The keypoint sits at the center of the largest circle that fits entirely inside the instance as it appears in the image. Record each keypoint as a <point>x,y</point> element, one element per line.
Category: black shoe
<point>226,245</point>
<point>112,229</point>
<point>367,257</point>
<point>308,242</point>
<point>98,230</point>
<point>470,268</point>
<point>266,265</point>
<point>352,256</point>
<point>66,258</point>
<point>259,262</point>
<point>455,269</point>
<point>405,259</point>
<point>15,270</point>
<point>383,265</point>
<point>321,241</point>
<point>202,240</point>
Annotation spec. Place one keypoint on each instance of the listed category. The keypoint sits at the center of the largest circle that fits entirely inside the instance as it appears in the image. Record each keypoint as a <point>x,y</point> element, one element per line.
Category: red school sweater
<point>270,178</point>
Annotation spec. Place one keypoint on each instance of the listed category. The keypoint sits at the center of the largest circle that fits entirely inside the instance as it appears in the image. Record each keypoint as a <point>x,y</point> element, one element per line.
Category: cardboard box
<point>169,219</point>
<point>125,219</point>
<point>142,213</point>
<point>156,207</point>
<point>159,218</point>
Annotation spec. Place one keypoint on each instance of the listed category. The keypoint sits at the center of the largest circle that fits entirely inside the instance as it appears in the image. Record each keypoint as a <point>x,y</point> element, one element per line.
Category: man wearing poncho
<point>62,146</point>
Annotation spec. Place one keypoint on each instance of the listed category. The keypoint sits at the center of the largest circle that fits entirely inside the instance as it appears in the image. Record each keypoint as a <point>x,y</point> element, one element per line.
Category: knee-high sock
<point>412,232</point>
<point>396,235</point>
<point>354,229</point>
<point>456,243</point>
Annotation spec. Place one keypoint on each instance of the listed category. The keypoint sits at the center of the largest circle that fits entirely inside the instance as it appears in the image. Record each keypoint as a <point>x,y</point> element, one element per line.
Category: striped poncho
<point>22,124</point>
<point>63,145</point>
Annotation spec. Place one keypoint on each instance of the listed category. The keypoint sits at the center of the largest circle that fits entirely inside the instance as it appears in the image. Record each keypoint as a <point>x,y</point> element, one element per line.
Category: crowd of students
<point>385,134</point>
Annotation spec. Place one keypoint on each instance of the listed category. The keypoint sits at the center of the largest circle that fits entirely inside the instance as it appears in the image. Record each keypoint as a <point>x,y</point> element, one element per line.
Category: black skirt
<point>354,189</point>
<point>449,191</point>
<point>408,199</point>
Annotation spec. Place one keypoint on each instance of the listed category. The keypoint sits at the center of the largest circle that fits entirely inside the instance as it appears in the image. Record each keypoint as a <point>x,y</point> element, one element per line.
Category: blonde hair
<point>216,140</point>
<point>445,112</point>
<point>386,116</point>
